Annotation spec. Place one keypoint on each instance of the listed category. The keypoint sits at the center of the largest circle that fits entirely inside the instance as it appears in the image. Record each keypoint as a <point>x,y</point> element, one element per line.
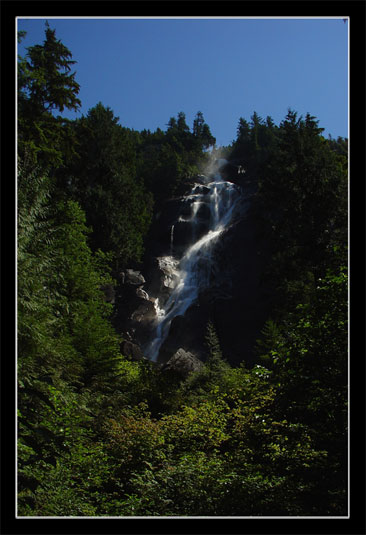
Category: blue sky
<point>148,70</point>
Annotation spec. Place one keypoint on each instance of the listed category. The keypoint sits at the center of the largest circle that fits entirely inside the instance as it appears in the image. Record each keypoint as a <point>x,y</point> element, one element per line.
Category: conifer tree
<point>45,83</point>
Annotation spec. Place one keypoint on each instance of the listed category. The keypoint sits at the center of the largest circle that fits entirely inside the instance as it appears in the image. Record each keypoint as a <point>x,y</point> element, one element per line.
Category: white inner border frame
<point>347,20</point>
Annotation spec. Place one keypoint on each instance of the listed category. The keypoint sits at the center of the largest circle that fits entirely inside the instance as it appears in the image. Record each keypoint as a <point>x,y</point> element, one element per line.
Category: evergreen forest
<point>103,434</point>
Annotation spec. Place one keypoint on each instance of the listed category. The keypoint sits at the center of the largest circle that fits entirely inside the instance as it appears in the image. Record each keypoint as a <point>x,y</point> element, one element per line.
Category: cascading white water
<point>191,272</point>
<point>171,239</point>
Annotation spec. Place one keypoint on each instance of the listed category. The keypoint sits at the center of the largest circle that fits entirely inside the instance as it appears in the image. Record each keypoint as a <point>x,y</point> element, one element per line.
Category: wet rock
<point>142,294</point>
<point>133,277</point>
<point>159,238</point>
<point>183,233</point>
<point>135,312</point>
<point>162,277</point>
<point>201,189</point>
<point>185,209</point>
<point>204,212</point>
<point>236,298</point>
<point>144,312</point>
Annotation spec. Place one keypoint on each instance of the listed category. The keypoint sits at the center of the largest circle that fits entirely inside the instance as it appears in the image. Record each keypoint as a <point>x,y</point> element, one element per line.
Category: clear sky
<point>148,70</point>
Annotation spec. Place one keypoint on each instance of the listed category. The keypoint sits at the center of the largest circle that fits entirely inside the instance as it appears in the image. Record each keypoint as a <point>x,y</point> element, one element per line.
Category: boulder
<point>162,277</point>
<point>187,331</point>
<point>135,312</point>
<point>142,294</point>
<point>183,363</point>
<point>144,312</point>
<point>201,189</point>
<point>133,277</point>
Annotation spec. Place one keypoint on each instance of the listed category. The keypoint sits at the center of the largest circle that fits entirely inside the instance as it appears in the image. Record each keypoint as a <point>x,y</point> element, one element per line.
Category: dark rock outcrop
<point>182,363</point>
<point>161,277</point>
<point>187,332</point>
<point>237,300</point>
<point>134,310</point>
<point>130,276</point>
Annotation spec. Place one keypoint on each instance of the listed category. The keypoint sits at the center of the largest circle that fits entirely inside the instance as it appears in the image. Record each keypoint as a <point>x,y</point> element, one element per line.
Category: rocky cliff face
<point>203,262</point>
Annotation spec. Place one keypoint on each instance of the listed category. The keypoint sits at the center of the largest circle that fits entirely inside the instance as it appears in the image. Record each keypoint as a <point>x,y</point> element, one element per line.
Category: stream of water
<point>190,272</point>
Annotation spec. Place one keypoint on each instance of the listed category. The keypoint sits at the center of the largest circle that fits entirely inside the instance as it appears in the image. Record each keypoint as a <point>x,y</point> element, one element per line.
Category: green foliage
<point>71,481</point>
<point>270,338</point>
<point>213,343</point>
<point>86,317</point>
<point>309,360</point>
<point>100,435</point>
<point>167,160</point>
<point>202,426</point>
<point>64,336</point>
<point>255,141</point>
<point>102,179</point>
<point>50,85</point>
<point>202,132</point>
<point>301,202</point>
<point>45,83</point>
<point>215,373</point>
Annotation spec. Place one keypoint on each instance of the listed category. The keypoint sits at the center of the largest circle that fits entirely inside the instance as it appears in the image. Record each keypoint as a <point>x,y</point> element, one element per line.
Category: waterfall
<point>171,239</point>
<point>192,269</point>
